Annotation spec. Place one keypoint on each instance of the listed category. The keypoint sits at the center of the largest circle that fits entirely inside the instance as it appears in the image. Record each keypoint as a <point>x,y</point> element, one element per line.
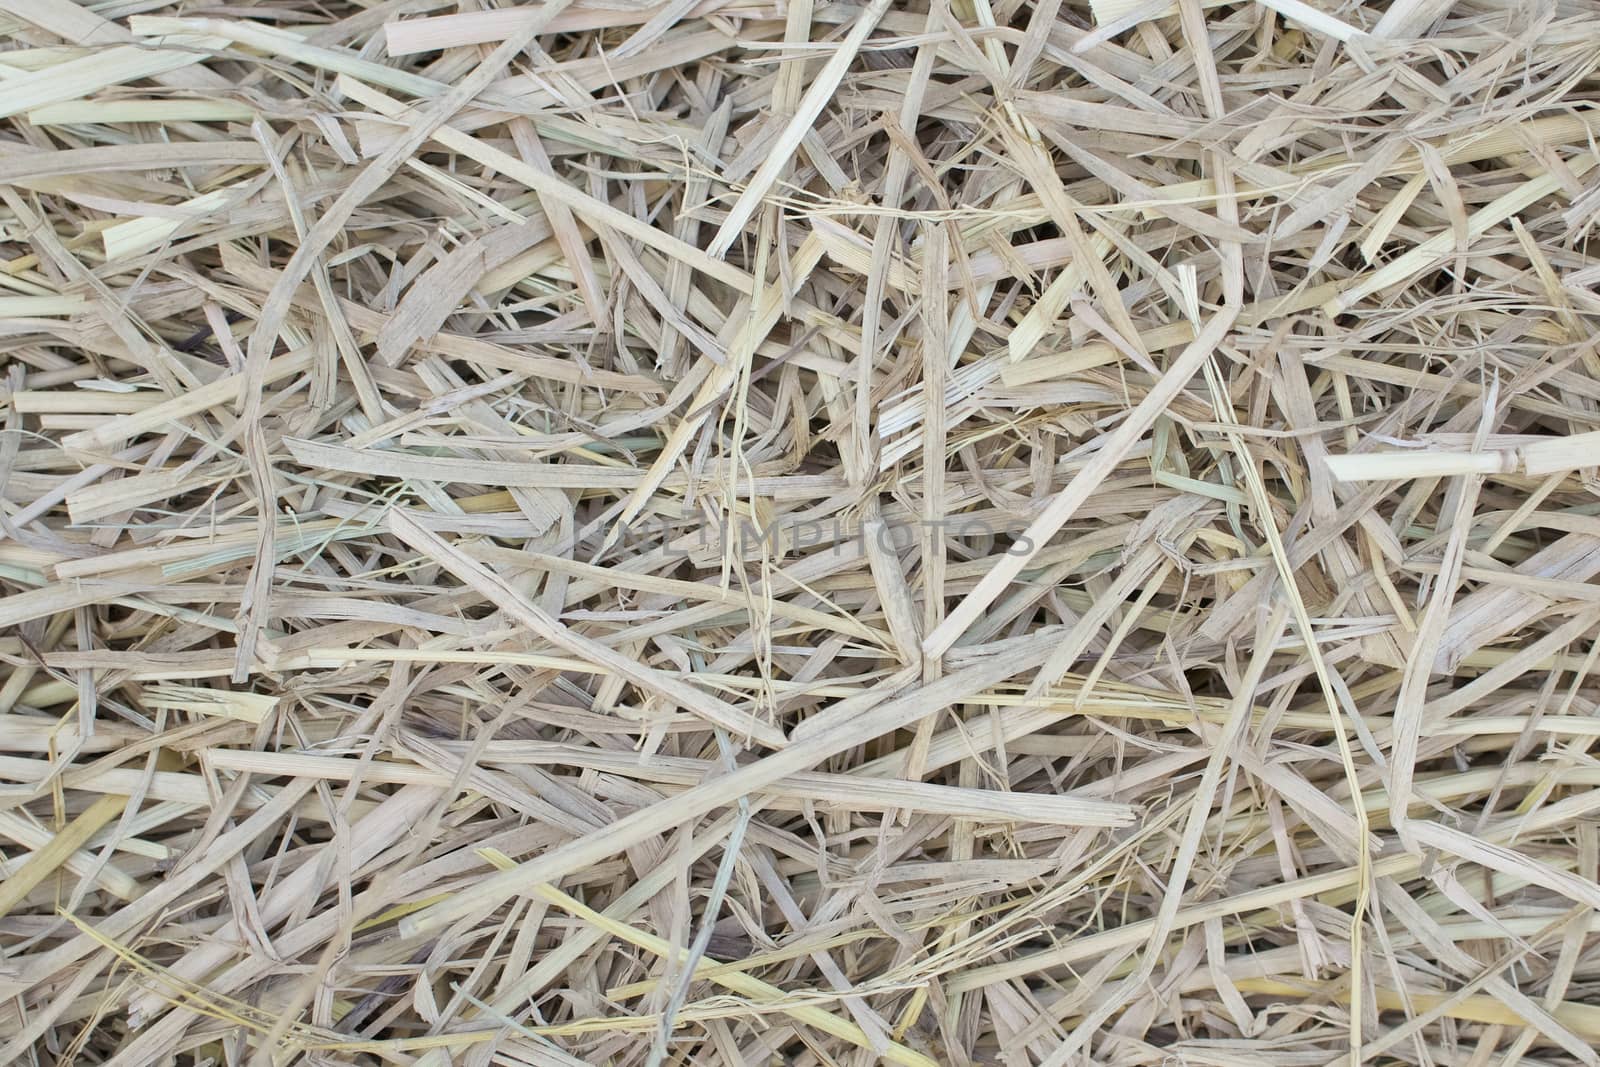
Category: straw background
<point>752,532</point>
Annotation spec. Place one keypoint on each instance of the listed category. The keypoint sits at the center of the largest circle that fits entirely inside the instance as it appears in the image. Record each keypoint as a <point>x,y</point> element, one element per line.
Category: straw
<point>816,532</point>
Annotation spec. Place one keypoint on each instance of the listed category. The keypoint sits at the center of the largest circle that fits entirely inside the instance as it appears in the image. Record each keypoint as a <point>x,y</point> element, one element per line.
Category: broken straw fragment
<point>1550,456</point>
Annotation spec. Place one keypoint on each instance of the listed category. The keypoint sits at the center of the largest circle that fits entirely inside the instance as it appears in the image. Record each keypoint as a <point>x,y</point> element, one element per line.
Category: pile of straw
<point>797,532</point>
